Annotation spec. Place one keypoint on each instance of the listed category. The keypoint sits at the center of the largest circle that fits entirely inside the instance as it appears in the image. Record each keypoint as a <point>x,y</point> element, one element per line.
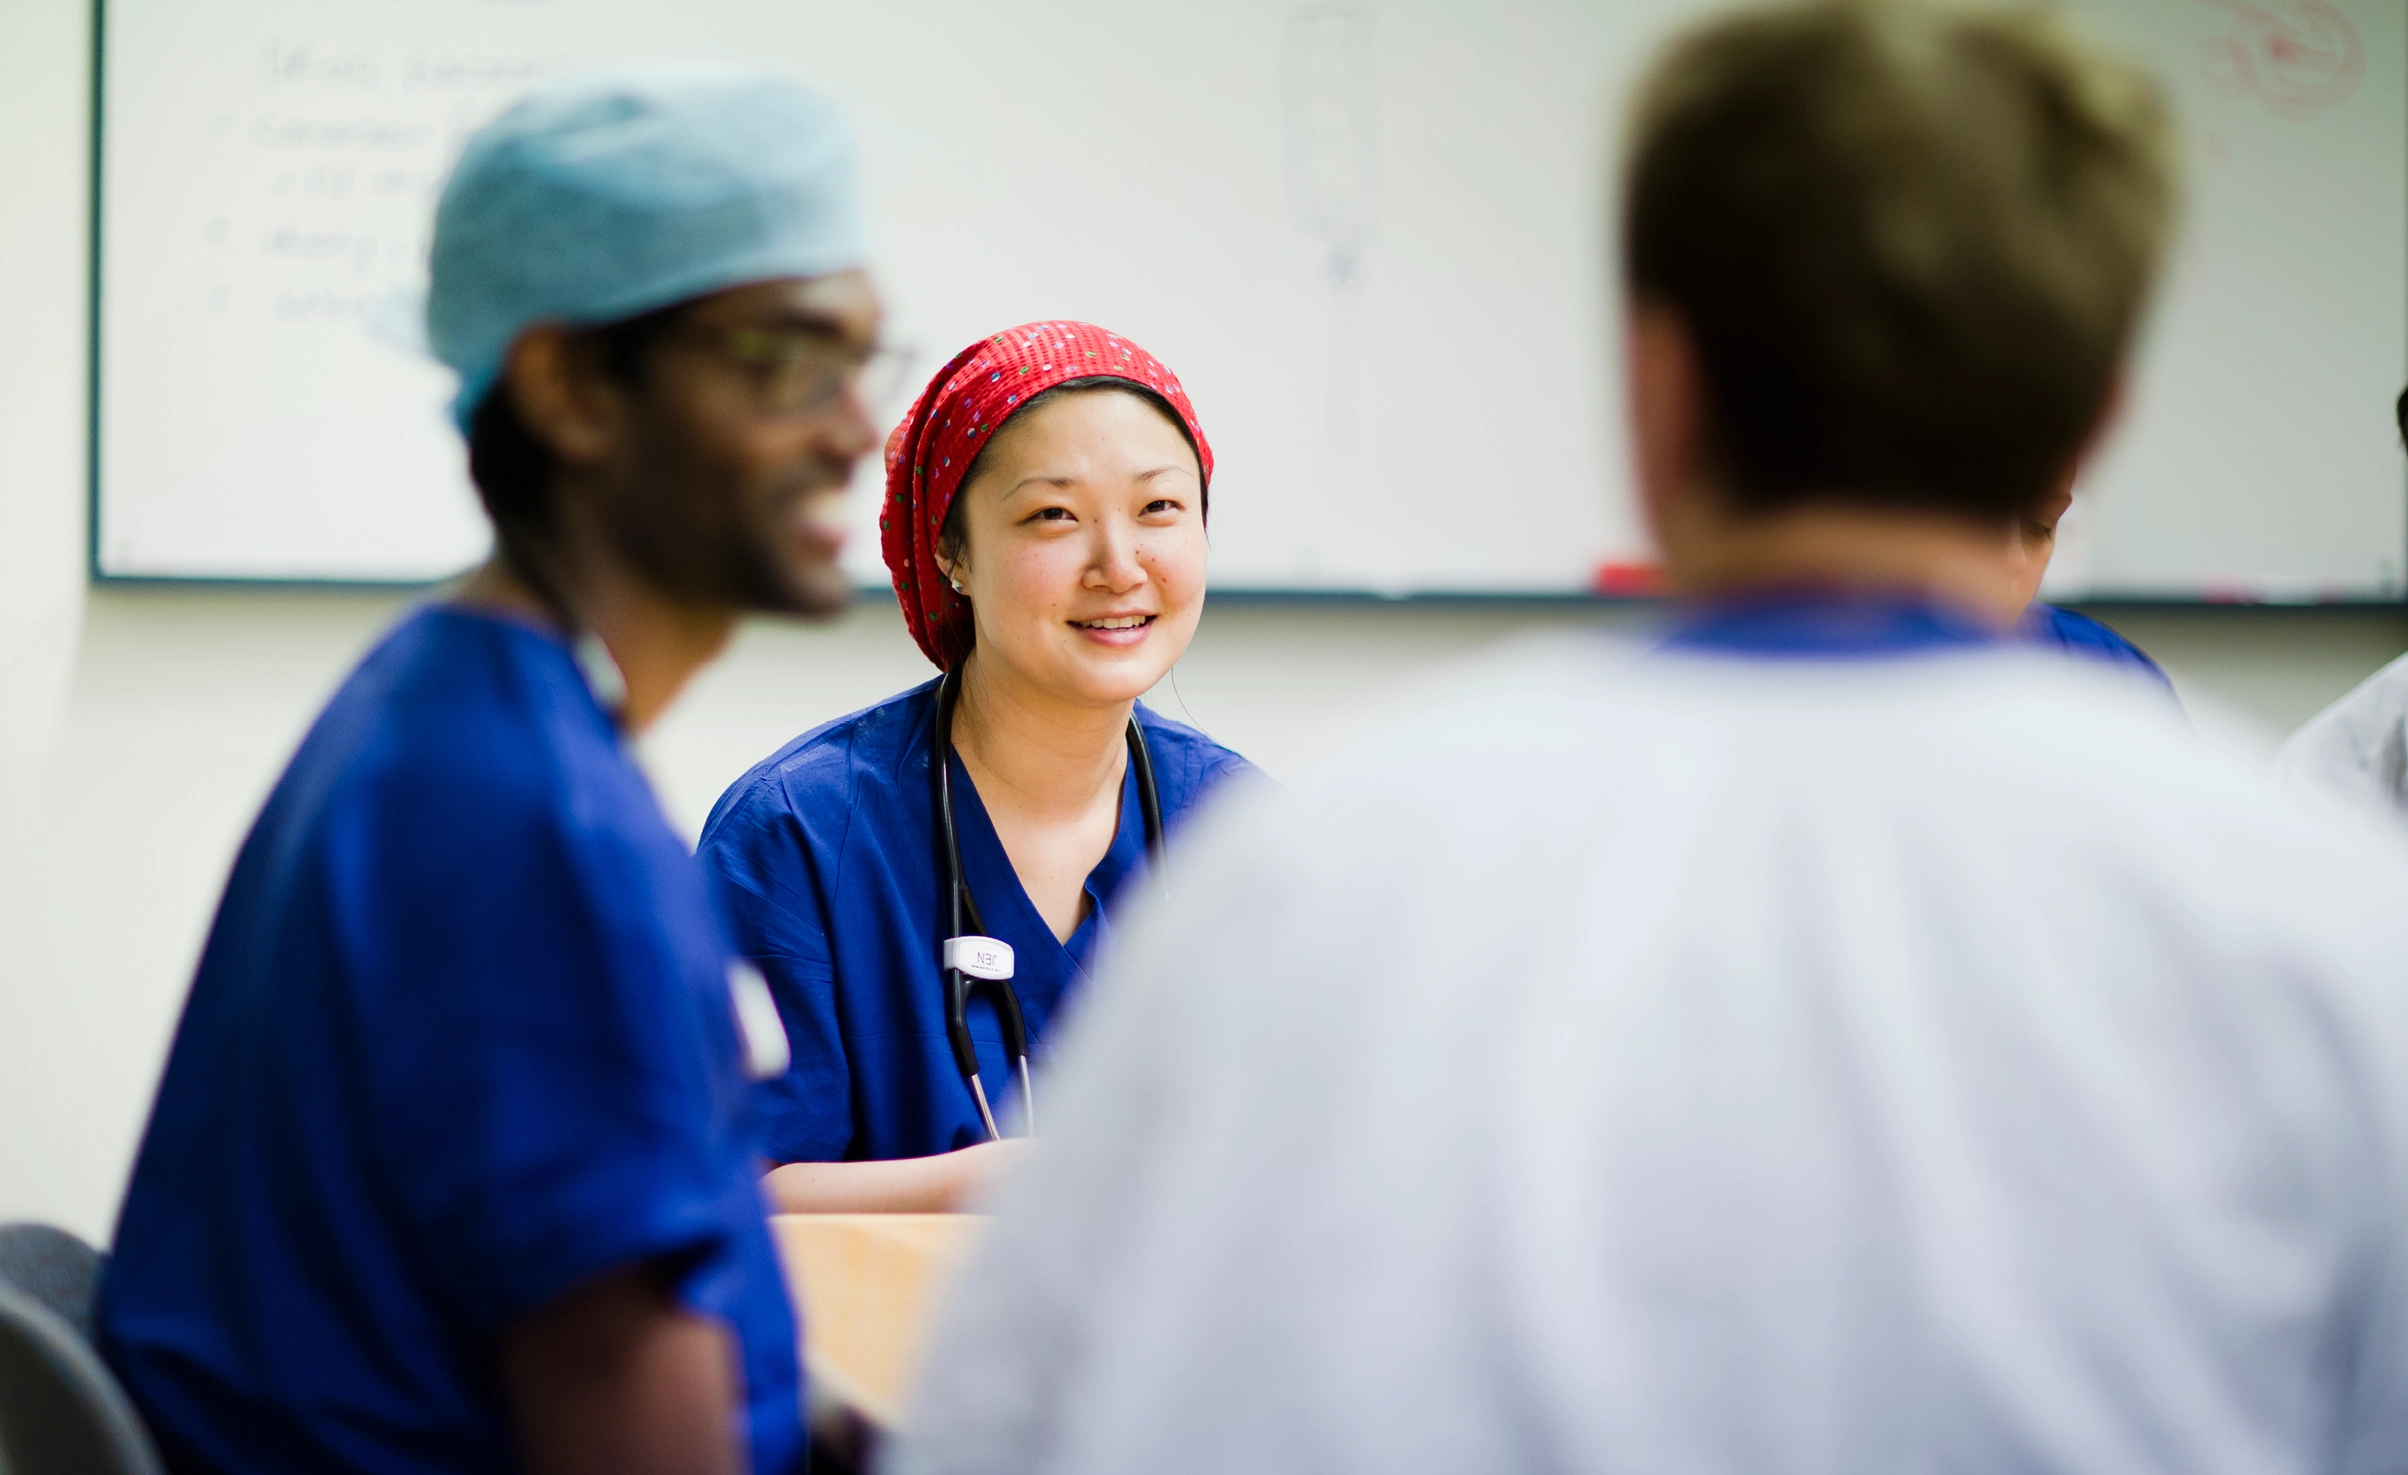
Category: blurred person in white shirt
<point>1827,1035</point>
<point>2356,750</point>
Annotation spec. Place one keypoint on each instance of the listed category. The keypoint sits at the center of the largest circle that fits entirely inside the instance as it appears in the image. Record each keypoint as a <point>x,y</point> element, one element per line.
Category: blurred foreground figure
<point>2357,748</point>
<point>1836,1038</point>
<point>446,1173</point>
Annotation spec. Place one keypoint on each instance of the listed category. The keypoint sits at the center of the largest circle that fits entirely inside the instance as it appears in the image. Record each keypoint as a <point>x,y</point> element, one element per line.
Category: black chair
<point>61,1413</point>
<point>55,1268</point>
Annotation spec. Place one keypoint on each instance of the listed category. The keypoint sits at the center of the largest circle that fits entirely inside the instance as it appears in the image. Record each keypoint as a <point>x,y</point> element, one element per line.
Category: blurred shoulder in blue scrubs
<point>448,1170</point>
<point>1044,526</point>
<point>2031,545</point>
<point>2053,627</point>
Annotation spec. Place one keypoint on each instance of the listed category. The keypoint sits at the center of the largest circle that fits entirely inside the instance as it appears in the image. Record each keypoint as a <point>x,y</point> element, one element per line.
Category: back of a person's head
<point>1910,244</point>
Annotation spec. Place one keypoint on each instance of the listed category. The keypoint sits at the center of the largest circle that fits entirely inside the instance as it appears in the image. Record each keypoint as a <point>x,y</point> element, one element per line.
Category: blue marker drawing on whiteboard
<point>1332,114</point>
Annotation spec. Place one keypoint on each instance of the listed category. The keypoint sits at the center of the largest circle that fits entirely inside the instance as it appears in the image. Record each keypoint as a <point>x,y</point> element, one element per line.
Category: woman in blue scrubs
<point>1045,528</point>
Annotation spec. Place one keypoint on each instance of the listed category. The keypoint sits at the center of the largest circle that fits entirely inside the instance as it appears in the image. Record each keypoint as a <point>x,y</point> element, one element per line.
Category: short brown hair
<point>1911,245</point>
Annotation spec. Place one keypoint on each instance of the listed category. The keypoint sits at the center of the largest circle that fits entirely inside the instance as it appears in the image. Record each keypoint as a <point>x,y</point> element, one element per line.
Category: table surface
<point>866,1285</point>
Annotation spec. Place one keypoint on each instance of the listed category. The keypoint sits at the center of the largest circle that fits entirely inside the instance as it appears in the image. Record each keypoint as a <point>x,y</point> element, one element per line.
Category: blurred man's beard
<point>760,581</point>
<point>694,538</point>
<point>730,565</point>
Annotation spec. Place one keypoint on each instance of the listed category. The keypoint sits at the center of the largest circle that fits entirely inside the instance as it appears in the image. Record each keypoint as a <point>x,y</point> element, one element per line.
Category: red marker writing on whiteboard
<point>2298,57</point>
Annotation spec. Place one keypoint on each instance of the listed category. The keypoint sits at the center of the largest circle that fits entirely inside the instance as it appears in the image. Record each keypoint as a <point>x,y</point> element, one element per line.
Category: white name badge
<point>766,1051</point>
<point>980,957</point>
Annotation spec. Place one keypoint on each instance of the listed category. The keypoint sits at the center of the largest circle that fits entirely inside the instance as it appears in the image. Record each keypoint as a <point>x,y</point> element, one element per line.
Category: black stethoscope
<point>969,958</point>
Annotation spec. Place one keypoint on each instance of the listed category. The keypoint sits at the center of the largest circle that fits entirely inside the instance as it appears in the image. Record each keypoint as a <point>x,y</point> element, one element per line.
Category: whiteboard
<point>1372,239</point>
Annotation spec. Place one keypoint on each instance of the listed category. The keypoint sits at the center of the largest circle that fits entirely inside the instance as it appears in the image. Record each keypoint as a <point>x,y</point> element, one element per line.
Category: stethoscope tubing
<point>961,907</point>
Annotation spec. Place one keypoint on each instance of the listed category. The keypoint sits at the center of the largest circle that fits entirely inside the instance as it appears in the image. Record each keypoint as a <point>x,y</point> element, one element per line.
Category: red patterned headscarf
<point>952,421</point>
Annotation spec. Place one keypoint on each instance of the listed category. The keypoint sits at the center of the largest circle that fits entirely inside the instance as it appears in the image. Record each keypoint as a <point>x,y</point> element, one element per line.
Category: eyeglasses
<point>799,372</point>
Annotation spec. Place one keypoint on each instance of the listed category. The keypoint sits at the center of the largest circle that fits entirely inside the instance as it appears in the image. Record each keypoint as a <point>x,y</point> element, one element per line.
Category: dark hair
<point>949,537</point>
<point>1910,245</point>
<point>511,468</point>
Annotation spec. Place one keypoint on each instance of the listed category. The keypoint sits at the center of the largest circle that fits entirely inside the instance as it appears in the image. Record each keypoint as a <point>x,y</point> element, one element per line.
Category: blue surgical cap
<point>605,197</point>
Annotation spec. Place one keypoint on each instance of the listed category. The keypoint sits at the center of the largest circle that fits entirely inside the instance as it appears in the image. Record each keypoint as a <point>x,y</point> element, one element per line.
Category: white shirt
<point>1722,1065</point>
<point>2357,748</point>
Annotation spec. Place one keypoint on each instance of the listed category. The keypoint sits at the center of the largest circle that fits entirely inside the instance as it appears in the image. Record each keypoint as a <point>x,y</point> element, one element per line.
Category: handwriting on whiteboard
<point>2297,57</point>
<point>329,158</point>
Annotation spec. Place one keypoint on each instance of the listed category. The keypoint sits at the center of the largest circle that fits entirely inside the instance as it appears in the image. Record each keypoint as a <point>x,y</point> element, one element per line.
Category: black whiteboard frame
<point>1570,599</point>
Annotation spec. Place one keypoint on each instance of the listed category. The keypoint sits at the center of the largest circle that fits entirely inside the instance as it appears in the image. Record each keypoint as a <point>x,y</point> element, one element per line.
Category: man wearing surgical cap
<point>445,1172</point>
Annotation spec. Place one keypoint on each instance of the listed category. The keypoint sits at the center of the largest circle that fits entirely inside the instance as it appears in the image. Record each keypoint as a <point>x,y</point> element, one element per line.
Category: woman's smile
<point>1117,631</point>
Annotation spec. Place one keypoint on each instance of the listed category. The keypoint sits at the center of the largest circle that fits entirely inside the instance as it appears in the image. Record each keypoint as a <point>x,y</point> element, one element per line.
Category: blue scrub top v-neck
<point>826,857</point>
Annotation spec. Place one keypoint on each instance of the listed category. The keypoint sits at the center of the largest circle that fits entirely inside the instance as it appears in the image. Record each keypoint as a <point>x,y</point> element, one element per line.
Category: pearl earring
<point>957,587</point>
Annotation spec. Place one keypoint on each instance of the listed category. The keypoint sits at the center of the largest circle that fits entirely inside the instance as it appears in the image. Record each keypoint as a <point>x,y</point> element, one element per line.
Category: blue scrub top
<point>2081,636</point>
<point>461,1040</point>
<point>827,857</point>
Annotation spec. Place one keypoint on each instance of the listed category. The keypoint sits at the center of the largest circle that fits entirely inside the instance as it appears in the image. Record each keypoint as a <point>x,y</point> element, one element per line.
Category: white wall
<point>139,727</point>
